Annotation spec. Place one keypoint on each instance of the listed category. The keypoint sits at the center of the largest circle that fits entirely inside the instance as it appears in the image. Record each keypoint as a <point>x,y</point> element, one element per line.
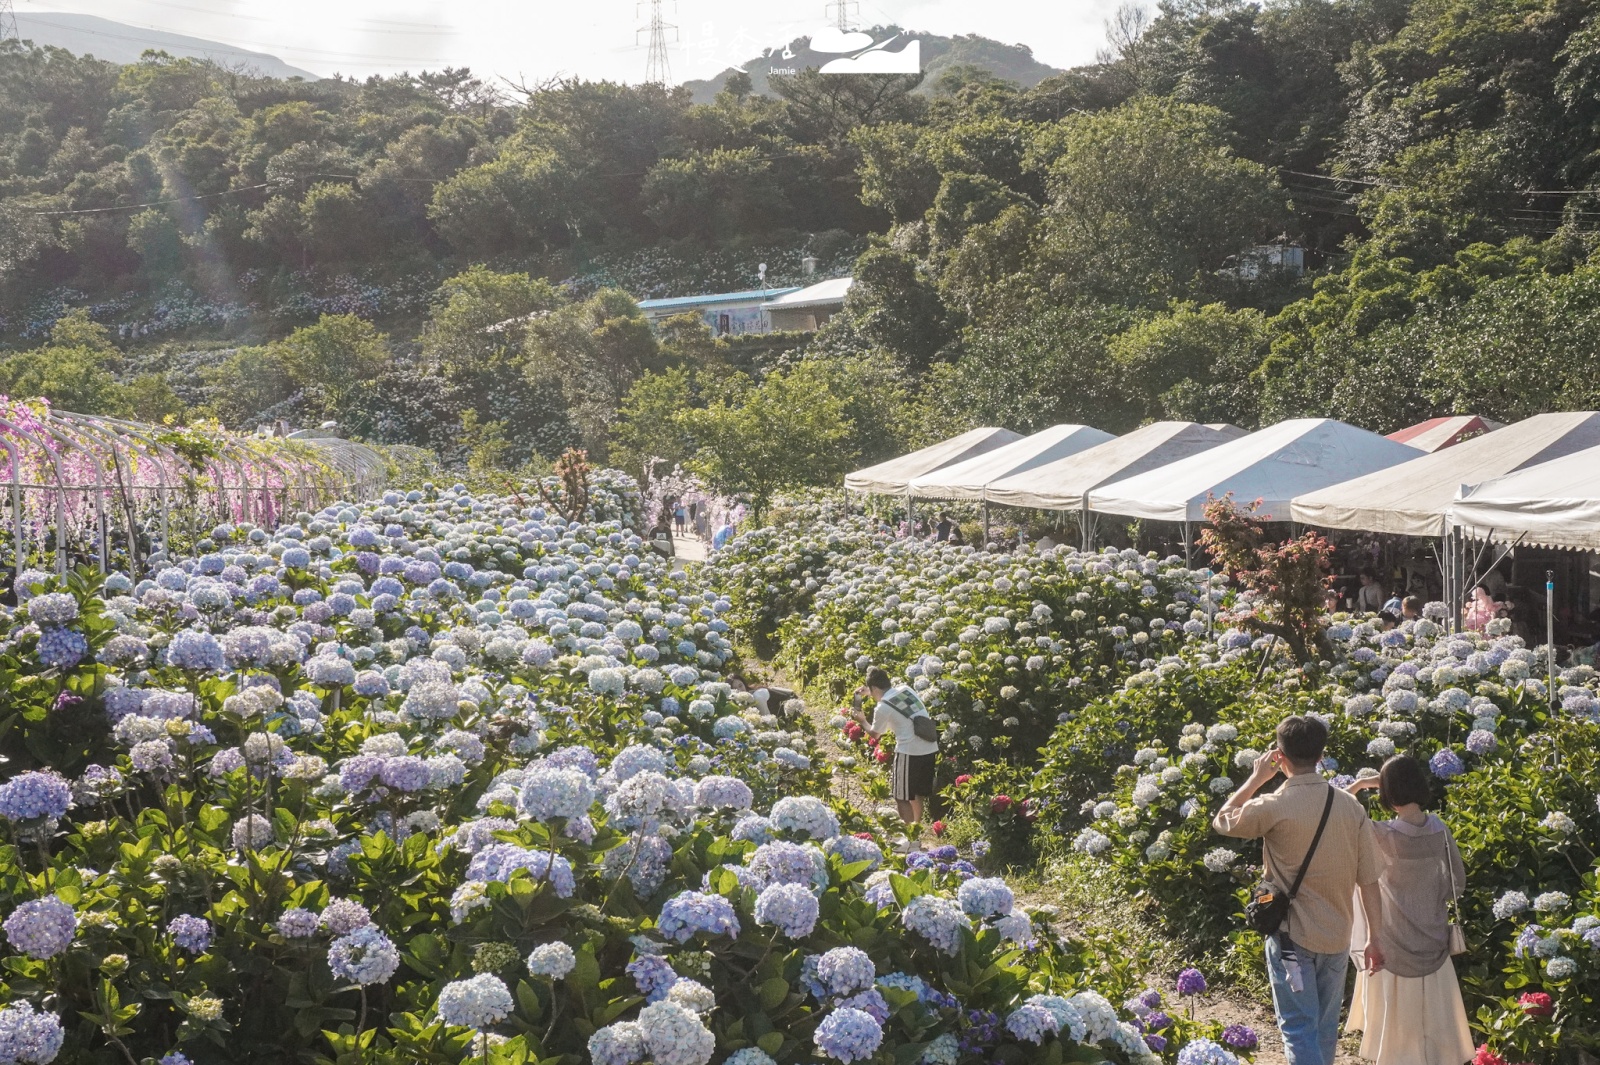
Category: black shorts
<point>912,777</point>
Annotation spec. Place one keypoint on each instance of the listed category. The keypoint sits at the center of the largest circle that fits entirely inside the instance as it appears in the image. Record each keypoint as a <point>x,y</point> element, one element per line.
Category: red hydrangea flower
<point>1000,804</point>
<point>1537,1004</point>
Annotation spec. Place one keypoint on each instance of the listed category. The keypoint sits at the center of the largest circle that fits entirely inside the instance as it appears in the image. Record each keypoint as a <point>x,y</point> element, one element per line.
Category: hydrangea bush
<point>442,776</point>
<point>1113,745</point>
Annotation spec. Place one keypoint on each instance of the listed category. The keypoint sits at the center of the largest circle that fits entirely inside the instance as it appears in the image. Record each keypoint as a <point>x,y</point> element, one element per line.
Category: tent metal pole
<point>986,523</point>
<point>1188,545</point>
<point>1550,635</point>
<point>1085,536</point>
<point>911,514</point>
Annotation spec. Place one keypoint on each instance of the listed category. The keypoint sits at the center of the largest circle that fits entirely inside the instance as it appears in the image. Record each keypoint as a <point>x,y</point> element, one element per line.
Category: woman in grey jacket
<point>1410,1012</point>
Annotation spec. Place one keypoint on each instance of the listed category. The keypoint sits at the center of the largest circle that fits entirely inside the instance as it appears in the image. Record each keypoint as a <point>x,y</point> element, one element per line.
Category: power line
<point>840,12</point>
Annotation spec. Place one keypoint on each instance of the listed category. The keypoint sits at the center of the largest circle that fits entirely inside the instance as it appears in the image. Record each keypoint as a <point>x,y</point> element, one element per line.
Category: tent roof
<point>1273,465</point>
<point>968,480</point>
<point>1438,433</point>
<point>1553,504</point>
<point>1062,483</point>
<point>891,477</point>
<point>1412,499</point>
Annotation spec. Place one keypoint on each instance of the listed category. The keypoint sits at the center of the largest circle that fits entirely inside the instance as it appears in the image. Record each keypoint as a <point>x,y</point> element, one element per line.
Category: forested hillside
<point>439,261</point>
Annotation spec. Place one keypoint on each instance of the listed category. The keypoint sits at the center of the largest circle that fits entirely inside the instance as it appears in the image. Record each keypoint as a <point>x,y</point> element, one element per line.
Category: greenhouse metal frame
<point>79,489</point>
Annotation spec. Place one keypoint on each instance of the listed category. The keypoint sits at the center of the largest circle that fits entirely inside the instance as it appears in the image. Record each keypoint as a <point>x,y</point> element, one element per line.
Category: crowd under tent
<point>1436,434</point>
<point>1273,465</point>
<point>1554,504</point>
<point>1413,498</point>
<point>892,476</point>
<point>1064,483</point>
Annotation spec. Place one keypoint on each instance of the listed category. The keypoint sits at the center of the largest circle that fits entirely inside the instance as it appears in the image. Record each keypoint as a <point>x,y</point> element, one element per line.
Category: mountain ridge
<point>1009,62</point>
<point>118,42</point>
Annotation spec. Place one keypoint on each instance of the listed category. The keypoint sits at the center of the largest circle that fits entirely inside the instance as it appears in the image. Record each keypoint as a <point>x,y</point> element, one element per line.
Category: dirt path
<point>1226,1007</point>
<point>844,784</point>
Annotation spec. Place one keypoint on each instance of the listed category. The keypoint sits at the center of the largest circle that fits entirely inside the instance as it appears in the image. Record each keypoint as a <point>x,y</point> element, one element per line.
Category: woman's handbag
<point>1458,937</point>
<point>1268,908</point>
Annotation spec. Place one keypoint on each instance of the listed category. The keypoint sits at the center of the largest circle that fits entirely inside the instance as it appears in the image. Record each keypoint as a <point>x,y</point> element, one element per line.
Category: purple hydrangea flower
<point>1446,764</point>
<point>191,933</point>
<point>1191,982</point>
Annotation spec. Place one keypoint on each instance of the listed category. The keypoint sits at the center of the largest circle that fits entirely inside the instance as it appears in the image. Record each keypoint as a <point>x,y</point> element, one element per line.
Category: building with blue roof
<point>726,313</point>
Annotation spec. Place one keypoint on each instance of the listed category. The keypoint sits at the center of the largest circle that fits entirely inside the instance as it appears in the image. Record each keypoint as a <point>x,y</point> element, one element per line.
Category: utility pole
<point>657,71</point>
<point>8,22</point>
<point>842,14</point>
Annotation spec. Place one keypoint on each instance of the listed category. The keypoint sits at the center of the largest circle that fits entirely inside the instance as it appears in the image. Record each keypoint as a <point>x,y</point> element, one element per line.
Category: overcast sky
<point>536,39</point>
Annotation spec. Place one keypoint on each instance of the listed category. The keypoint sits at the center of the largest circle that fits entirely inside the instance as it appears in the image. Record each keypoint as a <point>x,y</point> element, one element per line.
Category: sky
<point>533,40</point>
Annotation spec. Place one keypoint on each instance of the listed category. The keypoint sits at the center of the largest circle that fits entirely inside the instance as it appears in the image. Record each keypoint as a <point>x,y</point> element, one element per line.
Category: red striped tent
<point>1436,434</point>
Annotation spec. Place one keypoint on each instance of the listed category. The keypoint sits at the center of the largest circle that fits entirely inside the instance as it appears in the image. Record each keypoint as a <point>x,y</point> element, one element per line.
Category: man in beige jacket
<point>1307,958</point>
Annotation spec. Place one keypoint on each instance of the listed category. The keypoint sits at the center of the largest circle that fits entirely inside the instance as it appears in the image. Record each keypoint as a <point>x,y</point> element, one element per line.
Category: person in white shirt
<point>896,710</point>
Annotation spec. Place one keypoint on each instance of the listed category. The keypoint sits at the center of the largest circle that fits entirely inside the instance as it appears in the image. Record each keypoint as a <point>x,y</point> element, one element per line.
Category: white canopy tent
<point>970,479</point>
<point>1063,483</point>
<point>892,477</point>
<point>1553,504</point>
<point>1273,465</point>
<point>1413,498</point>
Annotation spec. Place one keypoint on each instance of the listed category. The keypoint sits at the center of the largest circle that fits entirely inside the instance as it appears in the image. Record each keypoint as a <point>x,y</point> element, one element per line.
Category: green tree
<point>247,382</point>
<point>477,336</point>
<point>787,432</point>
<point>893,306</point>
<point>334,359</point>
<point>1147,199</point>
<point>75,371</point>
<point>518,200</point>
<point>714,194</point>
<point>1519,346</point>
<point>1193,363</point>
<point>590,353</point>
<point>154,235</point>
<point>649,438</point>
<point>1043,366</point>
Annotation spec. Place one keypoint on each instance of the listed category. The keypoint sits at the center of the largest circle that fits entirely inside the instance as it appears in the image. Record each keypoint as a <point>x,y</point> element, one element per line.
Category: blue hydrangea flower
<point>29,1036</point>
<point>476,1002</point>
<point>553,960</point>
<point>365,956</point>
<point>33,795</point>
<point>691,912</point>
<point>845,971</point>
<point>1032,1024</point>
<point>1446,764</point>
<point>297,923</point>
<point>195,650</point>
<point>190,933</point>
<point>42,928</point>
<point>985,897</point>
<point>848,1035</point>
<point>791,908</point>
